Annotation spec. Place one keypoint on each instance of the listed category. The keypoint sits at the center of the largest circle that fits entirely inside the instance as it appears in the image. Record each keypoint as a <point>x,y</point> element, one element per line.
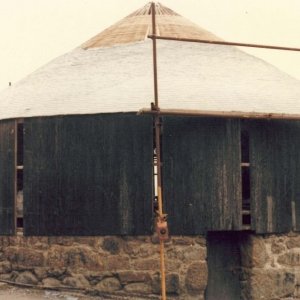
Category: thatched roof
<point>137,26</point>
<point>113,73</point>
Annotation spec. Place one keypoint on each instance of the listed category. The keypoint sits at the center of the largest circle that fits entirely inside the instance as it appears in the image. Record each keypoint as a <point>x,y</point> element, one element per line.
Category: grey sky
<point>36,31</point>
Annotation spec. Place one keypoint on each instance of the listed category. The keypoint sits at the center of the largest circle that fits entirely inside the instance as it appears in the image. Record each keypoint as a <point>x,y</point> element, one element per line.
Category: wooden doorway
<point>224,266</point>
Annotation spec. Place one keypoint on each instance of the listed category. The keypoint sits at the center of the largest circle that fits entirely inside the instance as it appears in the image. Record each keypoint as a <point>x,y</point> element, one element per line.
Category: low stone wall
<point>128,265</point>
<point>271,267</point>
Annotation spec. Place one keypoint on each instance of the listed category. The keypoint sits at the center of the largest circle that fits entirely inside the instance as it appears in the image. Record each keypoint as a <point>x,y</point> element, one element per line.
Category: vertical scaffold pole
<point>158,154</point>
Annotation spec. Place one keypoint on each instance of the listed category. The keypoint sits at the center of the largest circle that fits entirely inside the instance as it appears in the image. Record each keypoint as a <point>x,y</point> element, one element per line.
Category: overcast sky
<point>36,31</point>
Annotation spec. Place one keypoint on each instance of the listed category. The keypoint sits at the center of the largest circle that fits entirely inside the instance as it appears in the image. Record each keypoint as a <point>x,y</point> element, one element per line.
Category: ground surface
<point>13,293</point>
<point>8,292</point>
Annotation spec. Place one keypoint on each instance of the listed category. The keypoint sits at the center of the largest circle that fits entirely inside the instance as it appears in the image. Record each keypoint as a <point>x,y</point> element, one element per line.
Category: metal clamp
<point>162,227</point>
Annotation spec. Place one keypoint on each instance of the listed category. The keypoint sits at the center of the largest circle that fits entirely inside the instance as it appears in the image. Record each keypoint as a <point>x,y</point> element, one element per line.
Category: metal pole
<point>158,153</point>
<point>223,43</point>
<point>154,55</point>
<point>220,114</point>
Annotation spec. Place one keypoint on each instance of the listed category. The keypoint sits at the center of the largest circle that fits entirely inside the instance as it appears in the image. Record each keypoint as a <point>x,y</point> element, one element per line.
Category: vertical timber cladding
<point>7,177</point>
<point>201,174</point>
<point>88,175</point>
<point>275,175</point>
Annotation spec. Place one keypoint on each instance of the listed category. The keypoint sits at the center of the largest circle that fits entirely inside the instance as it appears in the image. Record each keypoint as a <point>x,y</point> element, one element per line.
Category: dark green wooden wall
<point>201,174</point>
<point>92,175</point>
<point>7,177</point>
<point>88,175</point>
<point>275,175</point>
<point>202,181</point>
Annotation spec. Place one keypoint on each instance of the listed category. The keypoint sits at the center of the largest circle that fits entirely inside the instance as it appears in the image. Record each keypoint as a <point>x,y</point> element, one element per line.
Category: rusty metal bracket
<point>162,227</point>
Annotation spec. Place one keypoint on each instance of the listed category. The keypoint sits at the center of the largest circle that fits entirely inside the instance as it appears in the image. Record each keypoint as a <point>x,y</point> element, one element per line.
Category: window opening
<point>155,170</point>
<point>245,173</point>
<point>19,175</point>
<point>20,144</point>
<point>155,196</point>
<point>19,222</point>
<point>245,147</point>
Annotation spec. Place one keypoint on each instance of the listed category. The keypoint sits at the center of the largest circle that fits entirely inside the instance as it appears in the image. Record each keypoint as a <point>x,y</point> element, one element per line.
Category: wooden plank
<point>275,175</point>
<point>201,174</point>
<point>294,162</point>
<point>294,228</point>
<point>7,177</point>
<point>88,175</point>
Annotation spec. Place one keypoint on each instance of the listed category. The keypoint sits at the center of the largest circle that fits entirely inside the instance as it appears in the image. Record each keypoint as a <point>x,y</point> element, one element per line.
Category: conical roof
<point>137,26</point>
<point>113,72</point>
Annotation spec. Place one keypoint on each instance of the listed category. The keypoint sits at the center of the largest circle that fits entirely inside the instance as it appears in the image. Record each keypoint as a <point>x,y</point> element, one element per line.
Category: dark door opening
<point>224,266</point>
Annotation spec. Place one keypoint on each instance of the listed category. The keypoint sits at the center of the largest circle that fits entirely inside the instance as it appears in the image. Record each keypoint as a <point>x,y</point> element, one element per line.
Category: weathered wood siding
<point>201,174</point>
<point>88,175</point>
<point>7,177</point>
<point>275,175</point>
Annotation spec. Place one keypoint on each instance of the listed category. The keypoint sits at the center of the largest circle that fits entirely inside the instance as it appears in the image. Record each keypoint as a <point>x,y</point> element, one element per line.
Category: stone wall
<point>120,265</point>
<point>271,267</point>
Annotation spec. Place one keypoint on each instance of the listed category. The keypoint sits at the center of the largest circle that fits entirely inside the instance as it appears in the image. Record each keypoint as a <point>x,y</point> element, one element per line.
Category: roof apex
<point>137,26</point>
<point>159,10</point>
